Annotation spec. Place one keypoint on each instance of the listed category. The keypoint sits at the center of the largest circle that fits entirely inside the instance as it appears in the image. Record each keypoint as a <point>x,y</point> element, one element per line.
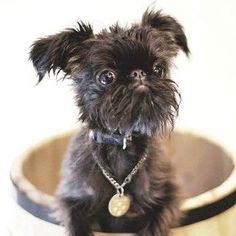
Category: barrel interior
<point>42,165</point>
<point>201,165</point>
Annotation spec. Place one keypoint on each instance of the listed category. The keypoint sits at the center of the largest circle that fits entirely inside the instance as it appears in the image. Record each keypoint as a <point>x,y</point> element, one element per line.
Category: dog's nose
<point>138,74</point>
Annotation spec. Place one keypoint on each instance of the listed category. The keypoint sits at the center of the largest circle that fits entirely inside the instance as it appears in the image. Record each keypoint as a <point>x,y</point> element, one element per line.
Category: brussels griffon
<point>114,177</point>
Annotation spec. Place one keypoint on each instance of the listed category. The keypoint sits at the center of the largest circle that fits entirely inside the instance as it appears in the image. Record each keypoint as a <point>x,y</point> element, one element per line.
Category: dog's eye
<point>106,77</point>
<point>158,70</point>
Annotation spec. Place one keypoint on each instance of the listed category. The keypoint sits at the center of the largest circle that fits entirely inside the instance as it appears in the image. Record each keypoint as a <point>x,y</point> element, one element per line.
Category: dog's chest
<point>136,216</point>
<point>138,190</point>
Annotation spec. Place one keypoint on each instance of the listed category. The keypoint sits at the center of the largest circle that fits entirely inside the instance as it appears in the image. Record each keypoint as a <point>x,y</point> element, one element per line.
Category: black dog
<point>114,178</point>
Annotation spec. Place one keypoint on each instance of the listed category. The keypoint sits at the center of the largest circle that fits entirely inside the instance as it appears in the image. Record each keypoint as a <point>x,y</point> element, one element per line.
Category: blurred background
<point>30,113</point>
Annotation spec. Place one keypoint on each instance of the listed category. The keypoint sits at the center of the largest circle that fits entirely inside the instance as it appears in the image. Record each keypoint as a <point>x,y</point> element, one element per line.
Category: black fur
<point>128,106</point>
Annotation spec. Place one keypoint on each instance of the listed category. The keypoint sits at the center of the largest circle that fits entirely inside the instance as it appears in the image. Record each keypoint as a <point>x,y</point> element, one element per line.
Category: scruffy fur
<point>140,101</point>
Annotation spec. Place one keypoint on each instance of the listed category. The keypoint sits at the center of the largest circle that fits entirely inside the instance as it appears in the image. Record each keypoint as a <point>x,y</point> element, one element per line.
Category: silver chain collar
<point>120,187</point>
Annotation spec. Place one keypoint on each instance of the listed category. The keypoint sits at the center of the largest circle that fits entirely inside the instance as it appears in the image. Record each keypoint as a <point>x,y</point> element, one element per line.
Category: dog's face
<point>121,75</point>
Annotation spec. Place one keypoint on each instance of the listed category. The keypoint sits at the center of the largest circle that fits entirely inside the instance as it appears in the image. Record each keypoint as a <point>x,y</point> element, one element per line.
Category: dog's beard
<point>147,112</point>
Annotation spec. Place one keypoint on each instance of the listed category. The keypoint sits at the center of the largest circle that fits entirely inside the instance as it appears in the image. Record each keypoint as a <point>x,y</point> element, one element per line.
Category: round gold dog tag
<point>119,205</point>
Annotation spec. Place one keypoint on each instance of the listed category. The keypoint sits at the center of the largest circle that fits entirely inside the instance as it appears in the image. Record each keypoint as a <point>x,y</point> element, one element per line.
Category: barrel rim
<point>18,178</point>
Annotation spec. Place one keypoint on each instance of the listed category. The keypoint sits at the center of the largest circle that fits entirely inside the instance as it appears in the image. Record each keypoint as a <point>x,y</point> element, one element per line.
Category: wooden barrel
<point>207,173</point>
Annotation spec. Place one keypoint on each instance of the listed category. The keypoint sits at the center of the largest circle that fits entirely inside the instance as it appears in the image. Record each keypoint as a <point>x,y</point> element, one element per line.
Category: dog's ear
<point>54,52</point>
<point>167,23</point>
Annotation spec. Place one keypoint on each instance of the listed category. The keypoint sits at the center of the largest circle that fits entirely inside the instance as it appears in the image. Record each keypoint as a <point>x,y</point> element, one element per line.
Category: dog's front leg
<point>75,218</point>
<point>161,222</point>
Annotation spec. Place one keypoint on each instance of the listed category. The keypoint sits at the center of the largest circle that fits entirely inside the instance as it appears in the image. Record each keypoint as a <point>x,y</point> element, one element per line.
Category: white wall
<point>207,80</point>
